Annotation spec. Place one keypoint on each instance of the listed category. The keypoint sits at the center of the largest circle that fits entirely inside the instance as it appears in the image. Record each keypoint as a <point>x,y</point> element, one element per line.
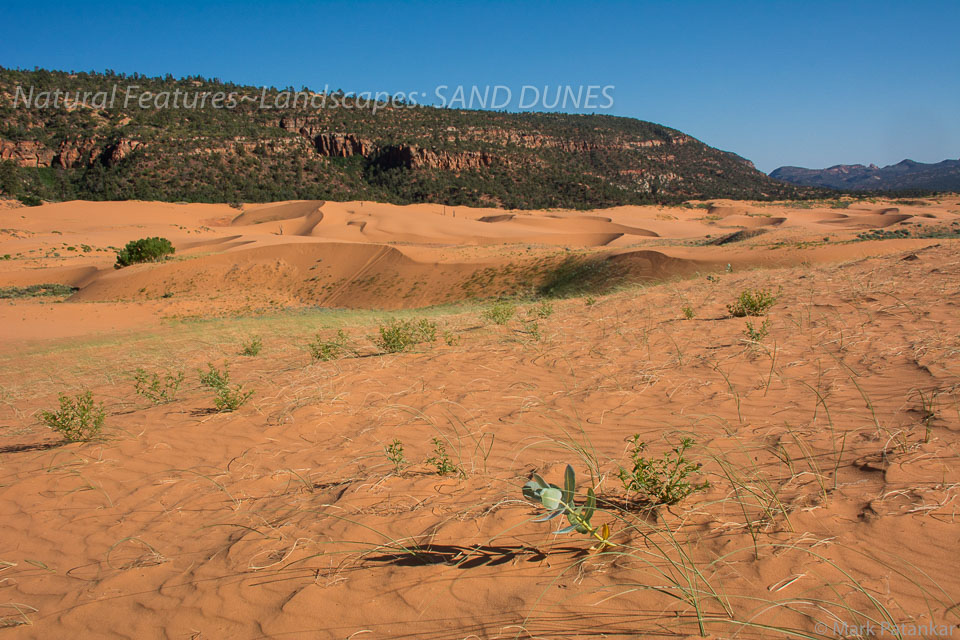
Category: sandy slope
<point>371,255</point>
<point>831,444</point>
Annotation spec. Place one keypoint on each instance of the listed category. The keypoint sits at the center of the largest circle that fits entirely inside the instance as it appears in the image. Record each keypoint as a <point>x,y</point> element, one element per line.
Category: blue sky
<point>802,83</point>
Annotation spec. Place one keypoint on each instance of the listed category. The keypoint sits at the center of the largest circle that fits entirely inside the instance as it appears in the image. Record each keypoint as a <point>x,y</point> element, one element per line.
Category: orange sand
<point>831,445</point>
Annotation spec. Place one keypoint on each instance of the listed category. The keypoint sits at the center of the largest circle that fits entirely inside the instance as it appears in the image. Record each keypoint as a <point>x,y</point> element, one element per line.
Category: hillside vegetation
<point>395,153</point>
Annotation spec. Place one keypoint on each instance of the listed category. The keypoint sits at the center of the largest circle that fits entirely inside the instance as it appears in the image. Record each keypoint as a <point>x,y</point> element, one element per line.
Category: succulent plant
<point>559,501</point>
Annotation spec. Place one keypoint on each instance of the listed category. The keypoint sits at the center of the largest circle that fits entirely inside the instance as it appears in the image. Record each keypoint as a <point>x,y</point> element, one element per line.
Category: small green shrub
<point>756,334</point>
<point>394,453</point>
<point>37,290</point>
<point>752,303</point>
<point>397,335</point>
<point>663,481</point>
<point>252,347</point>
<point>688,312</point>
<point>144,250</point>
<point>543,310</point>
<point>78,418</point>
<point>499,312</point>
<point>325,350</point>
<point>226,398</point>
<point>441,461</point>
<point>156,388</point>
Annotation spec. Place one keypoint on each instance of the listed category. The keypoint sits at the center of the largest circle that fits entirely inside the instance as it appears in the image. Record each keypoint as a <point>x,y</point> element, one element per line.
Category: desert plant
<point>441,461</point>
<point>542,310</point>
<point>664,481</point>
<point>156,388</point>
<point>559,501</point>
<point>756,334</point>
<point>144,250</point>
<point>394,453</point>
<point>325,350</point>
<point>226,398</point>
<point>397,335</point>
<point>499,312</point>
<point>78,418</point>
<point>752,303</point>
<point>688,312</point>
<point>252,347</point>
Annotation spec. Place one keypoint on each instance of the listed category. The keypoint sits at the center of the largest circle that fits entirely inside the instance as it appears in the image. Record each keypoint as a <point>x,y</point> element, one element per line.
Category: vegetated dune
<point>830,446</point>
<point>374,255</point>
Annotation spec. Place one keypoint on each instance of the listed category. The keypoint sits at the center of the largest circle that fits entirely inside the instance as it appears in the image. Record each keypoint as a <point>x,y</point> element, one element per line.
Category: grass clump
<point>156,388</point>
<point>688,312</point>
<point>252,347</point>
<point>397,335</point>
<point>662,481</point>
<point>36,291</point>
<point>144,250</point>
<point>78,419</point>
<point>500,312</point>
<point>325,350</point>
<point>226,398</point>
<point>752,303</point>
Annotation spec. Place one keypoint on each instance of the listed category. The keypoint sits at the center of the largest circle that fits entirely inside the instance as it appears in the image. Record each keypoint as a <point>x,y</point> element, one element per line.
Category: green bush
<point>325,350</point>
<point>78,418</point>
<point>226,398</point>
<point>155,388</point>
<point>500,312</point>
<point>752,303</point>
<point>441,461</point>
<point>397,335</point>
<point>394,453</point>
<point>663,481</point>
<point>252,346</point>
<point>144,250</point>
<point>756,334</point>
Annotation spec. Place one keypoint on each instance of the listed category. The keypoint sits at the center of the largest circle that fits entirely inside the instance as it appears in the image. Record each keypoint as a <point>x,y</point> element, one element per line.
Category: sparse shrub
<point>226,398</point>
<point>394,453</point>
<point>144,250</point>
<point>756,334</point>
<point>543,310</point>
<point>532,329</point>
<point>156,388</point>
<point>252,347</point>
<point>37,290</point>
<point>688,312</point>
<point>78,418</point>
<point>325,350</point>
<point>500,312</point>
<point>451,338</point>
<point>663,481</point>
<point>441,461</point>
<point>589,301</point>
<point>559,501</point>
<point>397,335</point>
<point>752,303</point>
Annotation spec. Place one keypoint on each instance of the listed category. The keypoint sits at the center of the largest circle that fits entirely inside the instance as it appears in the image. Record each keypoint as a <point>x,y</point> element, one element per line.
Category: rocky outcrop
<point>342,145</point>
<point>26,153</point>
<point>73,153</point>
<point>114,153</point>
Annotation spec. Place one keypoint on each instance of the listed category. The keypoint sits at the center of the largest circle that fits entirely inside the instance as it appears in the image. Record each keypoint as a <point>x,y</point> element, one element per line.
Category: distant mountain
<point>941,176</point>
<point>125,146</point>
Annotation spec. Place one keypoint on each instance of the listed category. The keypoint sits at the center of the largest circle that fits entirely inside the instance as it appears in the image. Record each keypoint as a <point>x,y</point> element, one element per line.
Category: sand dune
<point>373,255</point>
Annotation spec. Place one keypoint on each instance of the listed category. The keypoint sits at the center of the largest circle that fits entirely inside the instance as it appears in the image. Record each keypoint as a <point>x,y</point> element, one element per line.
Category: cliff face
<point>397,153</point>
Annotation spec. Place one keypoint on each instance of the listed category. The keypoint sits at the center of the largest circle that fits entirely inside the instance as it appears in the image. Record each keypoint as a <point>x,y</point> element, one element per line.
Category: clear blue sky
<point>803,83</point>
